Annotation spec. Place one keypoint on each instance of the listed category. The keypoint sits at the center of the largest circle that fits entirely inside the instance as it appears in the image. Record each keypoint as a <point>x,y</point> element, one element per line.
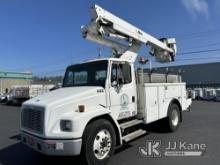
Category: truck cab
<point>115,79</point>
<point>104,87</point>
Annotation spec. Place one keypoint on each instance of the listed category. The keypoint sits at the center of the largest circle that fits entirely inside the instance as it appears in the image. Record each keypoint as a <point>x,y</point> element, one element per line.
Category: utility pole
<point>71,59</point>
<point>1,84</point>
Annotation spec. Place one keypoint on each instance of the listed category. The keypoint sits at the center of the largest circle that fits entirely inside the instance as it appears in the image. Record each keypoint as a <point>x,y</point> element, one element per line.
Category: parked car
<point>4,98</point>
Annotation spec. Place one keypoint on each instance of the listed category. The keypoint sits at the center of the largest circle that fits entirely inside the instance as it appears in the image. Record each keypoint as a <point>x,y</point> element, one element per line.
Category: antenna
<point>71,59</point>
<point>100,52</point>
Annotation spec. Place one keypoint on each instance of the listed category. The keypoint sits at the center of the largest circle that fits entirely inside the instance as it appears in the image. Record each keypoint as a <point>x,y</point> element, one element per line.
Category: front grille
<point>33,119</point>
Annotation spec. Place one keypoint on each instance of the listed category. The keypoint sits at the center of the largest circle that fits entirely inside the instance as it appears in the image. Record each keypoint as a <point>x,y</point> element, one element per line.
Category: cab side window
<point>121,73</point>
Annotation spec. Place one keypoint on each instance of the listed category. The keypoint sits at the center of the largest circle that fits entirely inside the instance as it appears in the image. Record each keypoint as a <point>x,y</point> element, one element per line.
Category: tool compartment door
<point>151,106</point>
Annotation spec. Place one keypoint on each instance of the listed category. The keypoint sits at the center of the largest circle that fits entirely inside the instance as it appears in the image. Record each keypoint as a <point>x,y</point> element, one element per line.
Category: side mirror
<point>114,83</point>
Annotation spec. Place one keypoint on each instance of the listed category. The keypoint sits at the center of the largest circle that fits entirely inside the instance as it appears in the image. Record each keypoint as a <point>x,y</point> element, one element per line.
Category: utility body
<point>104,102</point>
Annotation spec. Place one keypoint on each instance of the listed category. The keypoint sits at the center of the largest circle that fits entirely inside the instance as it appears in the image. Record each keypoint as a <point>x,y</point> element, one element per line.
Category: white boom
<point>108,29</point>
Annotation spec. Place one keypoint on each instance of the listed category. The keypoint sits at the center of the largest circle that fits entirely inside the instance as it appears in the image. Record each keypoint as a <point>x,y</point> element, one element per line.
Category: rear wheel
<point>173,120</point>
<point>99,141</point>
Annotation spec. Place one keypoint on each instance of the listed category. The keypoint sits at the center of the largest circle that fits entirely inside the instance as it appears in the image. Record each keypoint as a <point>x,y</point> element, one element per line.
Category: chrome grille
<point>33,119</point>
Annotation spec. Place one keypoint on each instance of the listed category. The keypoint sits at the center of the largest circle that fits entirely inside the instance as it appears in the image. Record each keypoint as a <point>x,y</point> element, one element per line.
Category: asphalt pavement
<point>199,127</point>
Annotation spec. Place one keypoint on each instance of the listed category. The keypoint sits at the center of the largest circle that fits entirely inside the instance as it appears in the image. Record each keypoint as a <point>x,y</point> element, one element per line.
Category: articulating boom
<point>125,39</point>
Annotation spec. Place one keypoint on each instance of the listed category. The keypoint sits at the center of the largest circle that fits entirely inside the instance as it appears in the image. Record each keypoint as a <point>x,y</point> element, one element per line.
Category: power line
<point>199,51</point>
<point>202,58</point>
<point>183,36</point>
<point>182,53</point>
<point>191,52</point>
<point>202,46</point>
<point>197,34</point>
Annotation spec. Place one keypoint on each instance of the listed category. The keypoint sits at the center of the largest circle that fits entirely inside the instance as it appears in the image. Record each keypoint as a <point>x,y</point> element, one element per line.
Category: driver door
<point>122,91</point>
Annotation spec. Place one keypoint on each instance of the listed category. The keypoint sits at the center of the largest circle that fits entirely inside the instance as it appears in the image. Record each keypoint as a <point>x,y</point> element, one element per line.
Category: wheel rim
<point>175,117</point>
<point>102,144</point>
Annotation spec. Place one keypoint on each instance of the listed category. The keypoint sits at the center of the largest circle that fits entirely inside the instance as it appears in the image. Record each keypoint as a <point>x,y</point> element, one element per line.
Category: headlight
<point>66,125</point>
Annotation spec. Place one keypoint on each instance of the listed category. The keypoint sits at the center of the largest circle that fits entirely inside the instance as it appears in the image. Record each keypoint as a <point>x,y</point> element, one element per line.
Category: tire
<point>173,119</point>
<point>97,133</point>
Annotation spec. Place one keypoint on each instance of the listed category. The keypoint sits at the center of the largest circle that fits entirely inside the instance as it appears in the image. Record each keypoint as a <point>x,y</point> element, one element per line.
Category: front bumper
<point>56,147</point>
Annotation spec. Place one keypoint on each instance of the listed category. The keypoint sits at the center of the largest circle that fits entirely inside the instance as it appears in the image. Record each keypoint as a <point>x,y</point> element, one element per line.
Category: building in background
<point>9,79</point>
<point>196,75</point>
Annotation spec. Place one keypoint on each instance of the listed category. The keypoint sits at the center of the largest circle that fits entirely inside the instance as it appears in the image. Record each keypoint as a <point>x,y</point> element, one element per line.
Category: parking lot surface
<point>200,126</point>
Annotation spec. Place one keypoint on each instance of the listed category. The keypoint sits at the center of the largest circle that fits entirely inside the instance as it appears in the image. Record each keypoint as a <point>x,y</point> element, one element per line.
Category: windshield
<point>86,74</point>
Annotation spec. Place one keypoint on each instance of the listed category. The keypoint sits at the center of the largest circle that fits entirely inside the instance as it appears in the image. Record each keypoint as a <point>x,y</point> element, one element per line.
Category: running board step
<point>133,135</point>
<point>130,124</point>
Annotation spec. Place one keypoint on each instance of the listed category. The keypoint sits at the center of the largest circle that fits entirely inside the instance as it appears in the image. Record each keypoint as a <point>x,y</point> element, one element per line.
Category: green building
<point>9,79</point>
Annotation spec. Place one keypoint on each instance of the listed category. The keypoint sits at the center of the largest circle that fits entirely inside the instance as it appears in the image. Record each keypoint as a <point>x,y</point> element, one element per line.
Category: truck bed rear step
<point>130,124</point>
<point>133,135</point>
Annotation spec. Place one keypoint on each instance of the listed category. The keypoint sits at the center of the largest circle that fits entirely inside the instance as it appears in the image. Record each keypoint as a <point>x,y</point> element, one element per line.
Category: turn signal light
<point>81,108</point>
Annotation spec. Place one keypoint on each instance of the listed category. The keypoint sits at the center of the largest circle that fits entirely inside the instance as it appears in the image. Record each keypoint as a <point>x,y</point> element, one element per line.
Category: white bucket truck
<point>103,103</point>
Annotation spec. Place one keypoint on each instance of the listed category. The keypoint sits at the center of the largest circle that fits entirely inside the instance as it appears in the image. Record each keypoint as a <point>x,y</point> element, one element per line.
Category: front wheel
<point>173,119</point>
<point>99,141</point>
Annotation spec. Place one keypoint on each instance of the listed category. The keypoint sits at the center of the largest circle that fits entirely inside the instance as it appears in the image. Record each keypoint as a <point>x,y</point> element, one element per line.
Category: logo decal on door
<point>124,100</point>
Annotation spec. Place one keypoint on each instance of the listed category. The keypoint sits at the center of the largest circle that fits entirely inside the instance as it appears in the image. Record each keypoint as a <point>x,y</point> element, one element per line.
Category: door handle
<point>133,99</point>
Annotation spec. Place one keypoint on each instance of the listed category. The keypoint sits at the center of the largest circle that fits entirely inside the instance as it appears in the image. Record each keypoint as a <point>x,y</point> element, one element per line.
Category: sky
<point>43,36</point>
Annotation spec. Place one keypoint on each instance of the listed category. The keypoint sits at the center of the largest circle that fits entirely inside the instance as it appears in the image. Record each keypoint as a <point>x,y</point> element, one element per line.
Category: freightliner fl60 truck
<point>104,103</point>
